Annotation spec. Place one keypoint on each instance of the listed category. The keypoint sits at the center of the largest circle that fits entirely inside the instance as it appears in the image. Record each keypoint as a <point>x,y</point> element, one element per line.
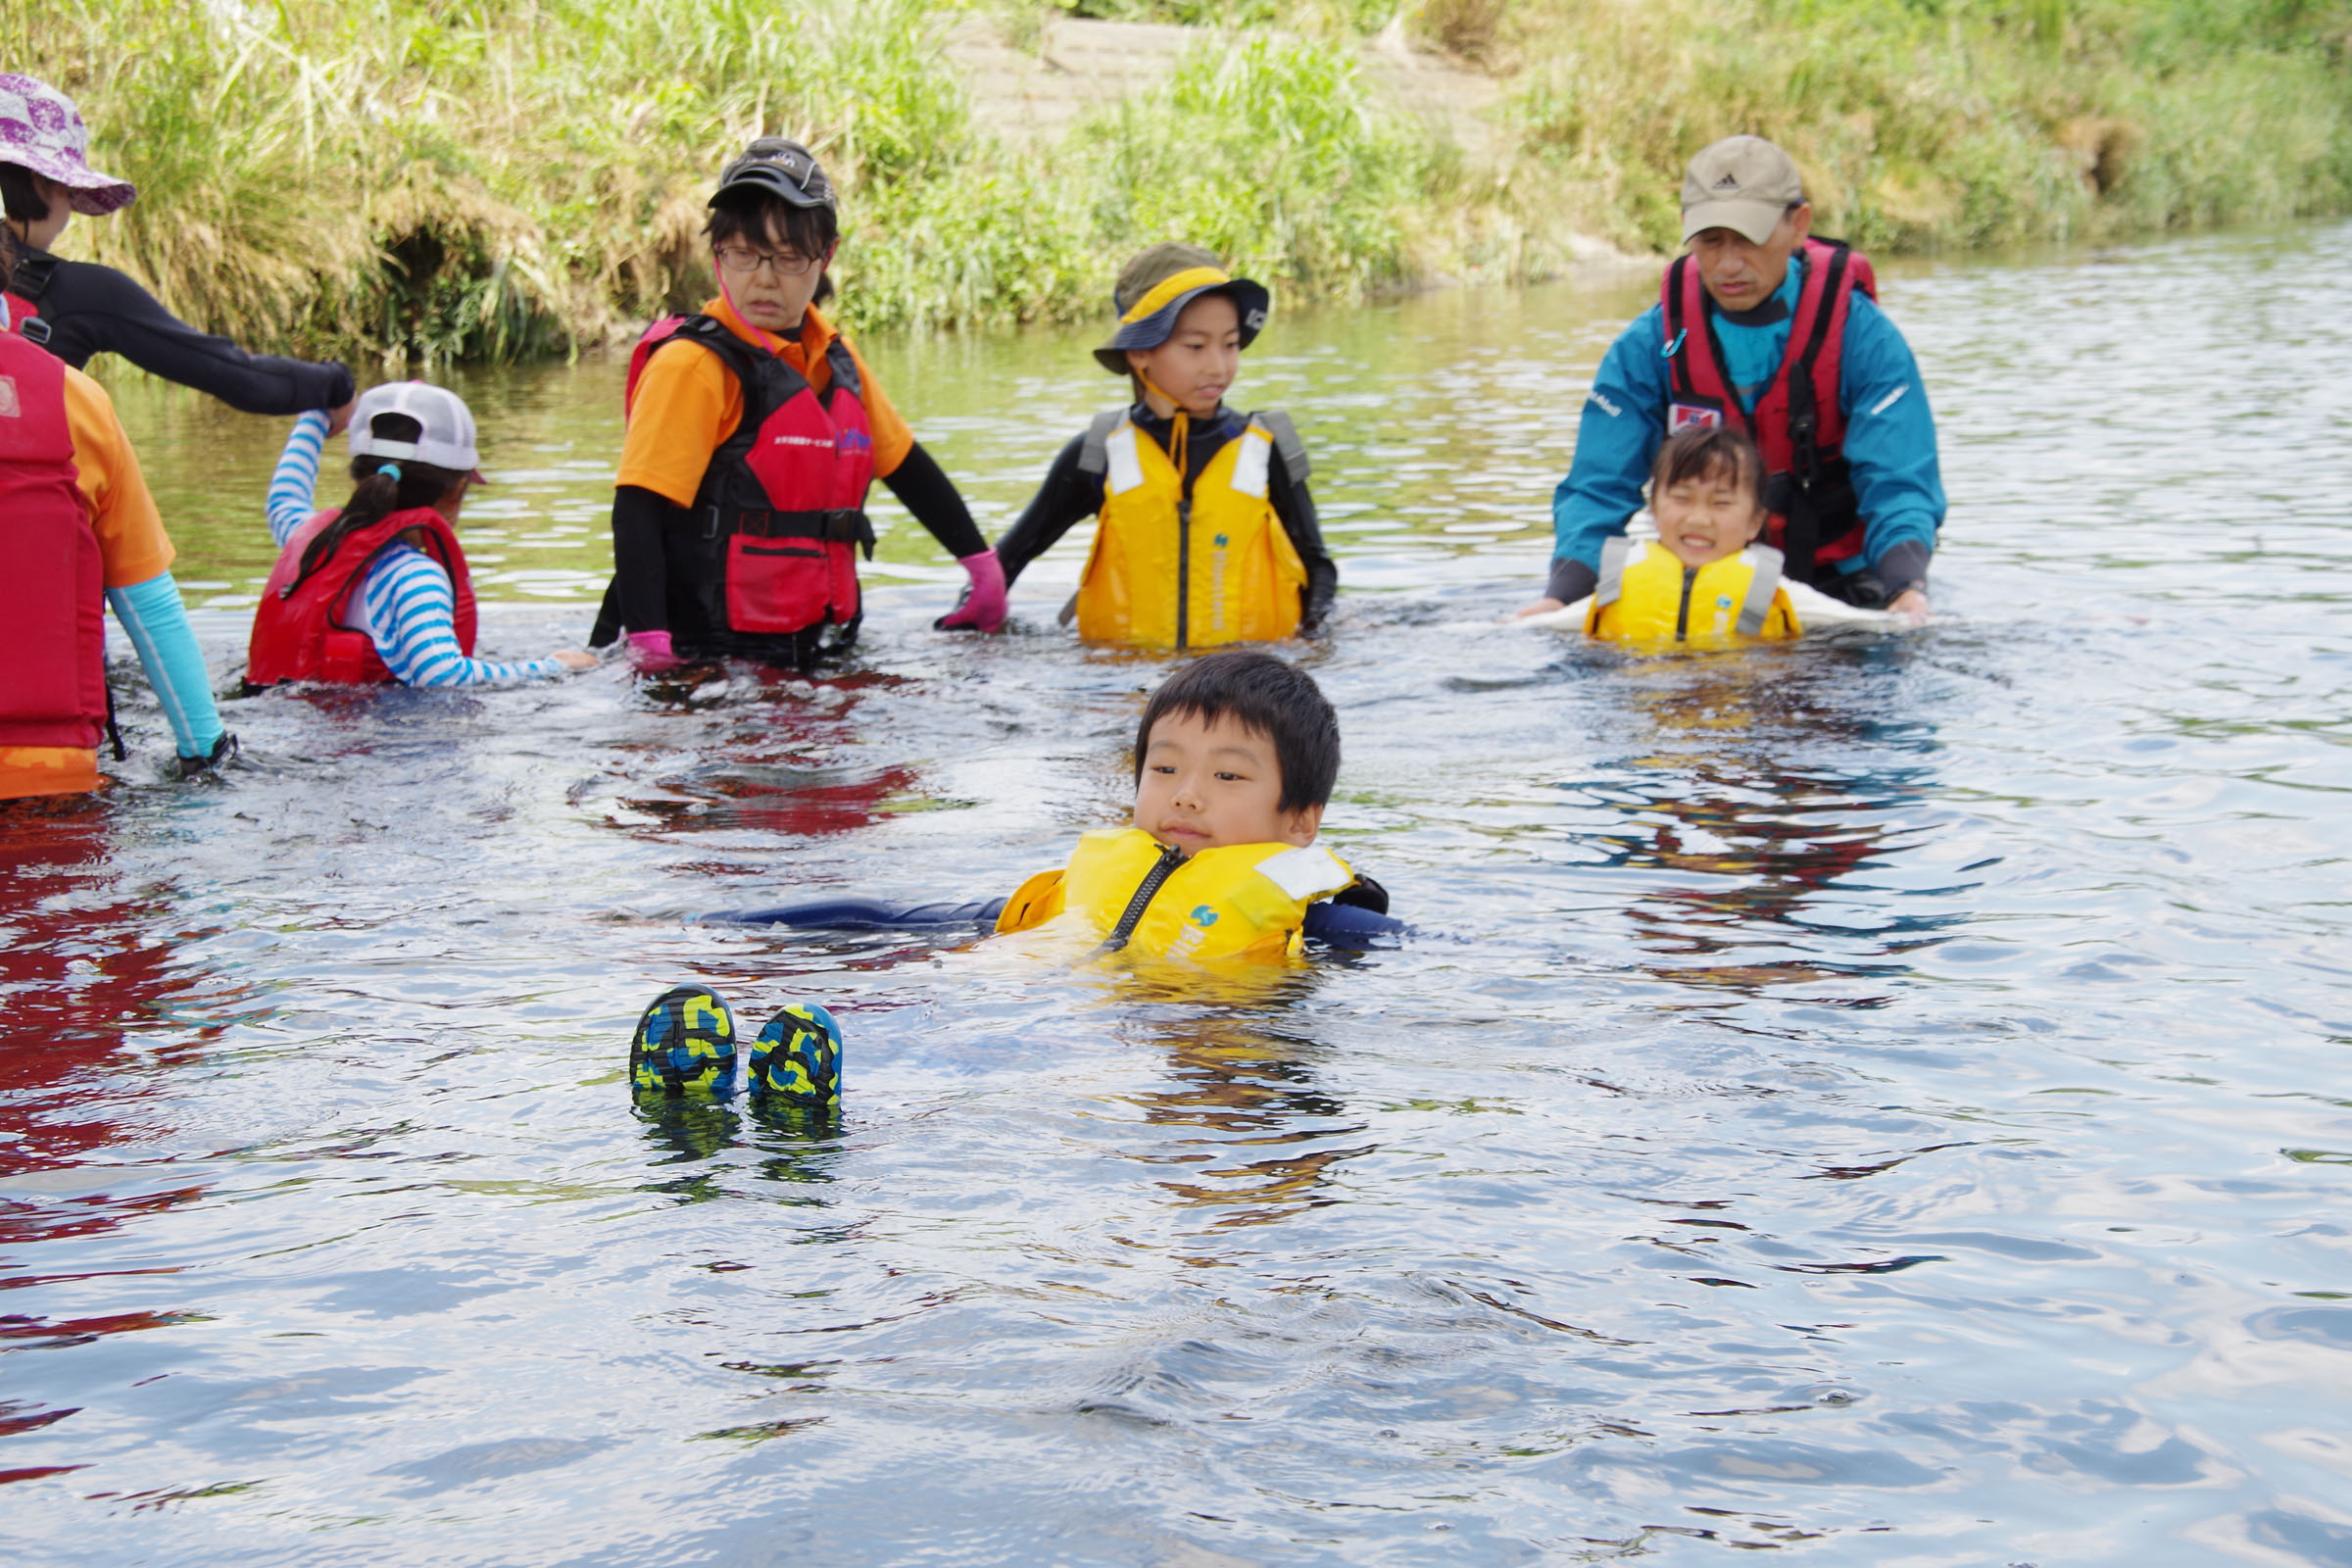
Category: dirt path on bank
<point>1033,94</point>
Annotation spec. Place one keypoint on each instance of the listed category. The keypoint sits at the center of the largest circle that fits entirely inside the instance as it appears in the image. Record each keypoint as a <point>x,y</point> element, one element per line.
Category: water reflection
<point>1246,1089</point>
<point>1877,1105</point>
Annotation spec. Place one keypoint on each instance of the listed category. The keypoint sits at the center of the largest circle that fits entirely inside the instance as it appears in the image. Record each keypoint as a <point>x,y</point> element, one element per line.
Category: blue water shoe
<point>685,1044</point>
<point>797,1057</point>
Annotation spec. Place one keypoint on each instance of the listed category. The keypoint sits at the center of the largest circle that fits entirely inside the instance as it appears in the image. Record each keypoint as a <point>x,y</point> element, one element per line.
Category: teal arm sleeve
<point>157,624</point>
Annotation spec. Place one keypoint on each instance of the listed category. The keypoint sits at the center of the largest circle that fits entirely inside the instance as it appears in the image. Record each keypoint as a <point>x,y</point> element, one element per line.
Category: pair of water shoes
<point>685,1047</point>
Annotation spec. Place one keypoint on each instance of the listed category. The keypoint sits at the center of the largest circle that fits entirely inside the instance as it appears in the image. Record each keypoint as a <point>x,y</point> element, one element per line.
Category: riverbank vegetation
<point>497,179</point>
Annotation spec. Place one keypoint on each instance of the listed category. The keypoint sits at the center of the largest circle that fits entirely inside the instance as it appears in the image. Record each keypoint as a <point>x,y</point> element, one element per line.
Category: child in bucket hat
<point>77,310</point>
<point>1206,533</point>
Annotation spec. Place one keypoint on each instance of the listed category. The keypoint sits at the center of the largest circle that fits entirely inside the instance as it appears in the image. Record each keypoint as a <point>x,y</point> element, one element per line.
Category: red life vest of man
<point>1797,421</point>
<point>302,631</point>
<point>53,681</point>
<point>767,554</point>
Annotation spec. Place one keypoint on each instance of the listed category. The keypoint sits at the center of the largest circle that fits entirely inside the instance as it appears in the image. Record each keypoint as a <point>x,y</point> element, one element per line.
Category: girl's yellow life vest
<point>1236,901</point>
<point>1172,570</point>
<point>1646,596</point>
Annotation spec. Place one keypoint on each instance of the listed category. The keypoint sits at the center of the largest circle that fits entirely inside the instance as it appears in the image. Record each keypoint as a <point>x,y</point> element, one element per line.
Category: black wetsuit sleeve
<point>96,310</point>
<point>1570,580</point>
<point>924,489</point>
<point>1902,567</point>
<point>1068,496</point>
<point>640,578</point>
<point>1297,510</point>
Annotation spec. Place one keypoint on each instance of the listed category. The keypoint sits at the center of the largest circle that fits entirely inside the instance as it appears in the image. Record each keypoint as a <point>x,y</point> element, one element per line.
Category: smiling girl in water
<point>1705,579</point>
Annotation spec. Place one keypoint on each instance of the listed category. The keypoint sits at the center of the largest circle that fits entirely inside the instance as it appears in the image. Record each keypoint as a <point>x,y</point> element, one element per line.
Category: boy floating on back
<point>1207,534</point>
<point>1235,759</point>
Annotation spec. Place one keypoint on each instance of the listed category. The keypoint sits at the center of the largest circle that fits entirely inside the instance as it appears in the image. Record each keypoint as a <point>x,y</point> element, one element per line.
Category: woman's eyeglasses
<point>743,261</point>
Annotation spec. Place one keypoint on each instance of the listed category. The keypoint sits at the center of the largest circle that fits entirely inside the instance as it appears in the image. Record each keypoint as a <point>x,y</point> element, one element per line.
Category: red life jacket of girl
<point>302,629</point>
<point>766,556</point>
<point>1797,421</point>
<point>53,682</point>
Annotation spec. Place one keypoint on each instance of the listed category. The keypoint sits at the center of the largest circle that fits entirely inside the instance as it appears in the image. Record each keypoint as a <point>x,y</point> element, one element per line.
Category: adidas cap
<point>446,441</point>
<point>1743,183</point>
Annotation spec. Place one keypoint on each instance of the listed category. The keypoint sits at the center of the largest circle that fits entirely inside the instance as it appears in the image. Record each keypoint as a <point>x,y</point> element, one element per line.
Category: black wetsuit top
<point>93,310</point>
<point>1070,495</point>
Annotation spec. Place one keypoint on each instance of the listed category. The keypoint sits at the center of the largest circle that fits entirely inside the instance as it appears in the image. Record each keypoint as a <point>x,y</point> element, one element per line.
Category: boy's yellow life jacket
<point>1170,570</point>
<point>1123,889</point>
<point>1646,596</point>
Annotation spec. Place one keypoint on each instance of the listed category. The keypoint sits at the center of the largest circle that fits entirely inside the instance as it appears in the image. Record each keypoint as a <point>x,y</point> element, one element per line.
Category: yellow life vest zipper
<point>1681,613</point>
<point>1170,858</point>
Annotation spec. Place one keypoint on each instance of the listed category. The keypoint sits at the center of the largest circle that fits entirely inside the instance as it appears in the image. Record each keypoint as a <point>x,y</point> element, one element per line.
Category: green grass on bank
<point>500,178</point>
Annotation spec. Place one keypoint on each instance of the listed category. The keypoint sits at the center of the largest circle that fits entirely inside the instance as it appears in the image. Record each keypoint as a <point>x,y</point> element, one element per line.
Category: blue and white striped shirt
<point>405,604</point>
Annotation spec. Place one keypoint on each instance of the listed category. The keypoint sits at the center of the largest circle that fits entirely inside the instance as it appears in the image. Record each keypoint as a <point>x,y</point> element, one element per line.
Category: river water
<point>1882,1100</point>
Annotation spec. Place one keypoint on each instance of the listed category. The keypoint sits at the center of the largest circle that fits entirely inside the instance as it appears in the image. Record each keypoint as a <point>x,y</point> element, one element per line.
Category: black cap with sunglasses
<point>775,166</point>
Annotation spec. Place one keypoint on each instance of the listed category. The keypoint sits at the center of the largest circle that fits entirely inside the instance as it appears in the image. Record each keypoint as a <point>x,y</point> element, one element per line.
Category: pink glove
<point>650,651</point>
<point>982,607</point>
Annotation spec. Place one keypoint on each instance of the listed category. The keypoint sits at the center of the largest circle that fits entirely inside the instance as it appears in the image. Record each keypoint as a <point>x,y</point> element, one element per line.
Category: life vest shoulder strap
<point>844,365</point>
<point>1094,448</point>
<point>1277,424</point>
<point>32,276</point>
<point>1763,585</point>
<point>1615,554</point>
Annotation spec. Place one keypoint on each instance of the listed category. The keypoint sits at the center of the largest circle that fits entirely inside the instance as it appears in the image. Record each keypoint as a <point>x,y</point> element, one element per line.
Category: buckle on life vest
<point>32,330</point>
<point>841,526</point>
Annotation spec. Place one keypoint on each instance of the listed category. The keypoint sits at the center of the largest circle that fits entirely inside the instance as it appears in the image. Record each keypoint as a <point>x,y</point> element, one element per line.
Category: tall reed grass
<point>499,178</point>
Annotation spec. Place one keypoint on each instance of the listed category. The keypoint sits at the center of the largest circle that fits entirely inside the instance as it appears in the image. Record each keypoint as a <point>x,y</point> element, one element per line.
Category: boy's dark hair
<point>1263,693</point>
<point>757,218</point>
<point>1703,454</point>
<point>20,197</point>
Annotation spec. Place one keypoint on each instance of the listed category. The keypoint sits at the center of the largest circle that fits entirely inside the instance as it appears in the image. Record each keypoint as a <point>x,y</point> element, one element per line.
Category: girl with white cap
<point>78,309</point>
<point>377,589</point>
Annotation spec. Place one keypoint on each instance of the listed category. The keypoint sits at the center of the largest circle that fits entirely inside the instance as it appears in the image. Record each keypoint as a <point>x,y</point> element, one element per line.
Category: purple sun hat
<point>40,131</point>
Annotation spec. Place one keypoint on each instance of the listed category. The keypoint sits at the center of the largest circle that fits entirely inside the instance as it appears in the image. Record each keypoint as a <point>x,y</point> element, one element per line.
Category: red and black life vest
<point>302,629</point>
<point>53,682</point>
<point>766,558</point>
<point>1797,421</point>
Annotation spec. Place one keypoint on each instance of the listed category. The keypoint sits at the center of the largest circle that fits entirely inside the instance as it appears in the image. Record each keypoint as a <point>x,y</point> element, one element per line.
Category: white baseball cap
<point>446,440</point>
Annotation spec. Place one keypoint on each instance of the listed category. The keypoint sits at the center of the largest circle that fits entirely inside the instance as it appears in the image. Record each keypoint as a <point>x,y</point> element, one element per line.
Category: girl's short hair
<point>1705,452</point>
<point>1269,696</point>
<point>757,218</point>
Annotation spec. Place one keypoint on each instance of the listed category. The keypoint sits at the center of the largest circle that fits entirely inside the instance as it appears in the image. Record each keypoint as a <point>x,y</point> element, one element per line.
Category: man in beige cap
<point>1763,328</point>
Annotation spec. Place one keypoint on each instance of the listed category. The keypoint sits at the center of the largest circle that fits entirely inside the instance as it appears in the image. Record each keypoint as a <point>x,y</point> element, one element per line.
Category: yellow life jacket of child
<point>1170,570</point>
<point>1123,889</point>
<point>1646,596</point>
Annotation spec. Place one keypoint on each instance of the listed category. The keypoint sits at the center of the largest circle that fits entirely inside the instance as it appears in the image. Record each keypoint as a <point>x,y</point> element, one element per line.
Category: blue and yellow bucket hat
<point>1156,286</point>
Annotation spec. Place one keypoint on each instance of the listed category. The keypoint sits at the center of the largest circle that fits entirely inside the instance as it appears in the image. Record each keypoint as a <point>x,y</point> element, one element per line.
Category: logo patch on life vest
<point>10,408</point>
<point>853,441</point>
<point>1205,915</point>
<point>1681,416</point>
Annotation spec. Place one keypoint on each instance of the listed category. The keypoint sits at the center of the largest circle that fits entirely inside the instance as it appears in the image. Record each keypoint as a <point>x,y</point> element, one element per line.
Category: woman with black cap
<point>1207,534</point>
<point>754,431</point>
